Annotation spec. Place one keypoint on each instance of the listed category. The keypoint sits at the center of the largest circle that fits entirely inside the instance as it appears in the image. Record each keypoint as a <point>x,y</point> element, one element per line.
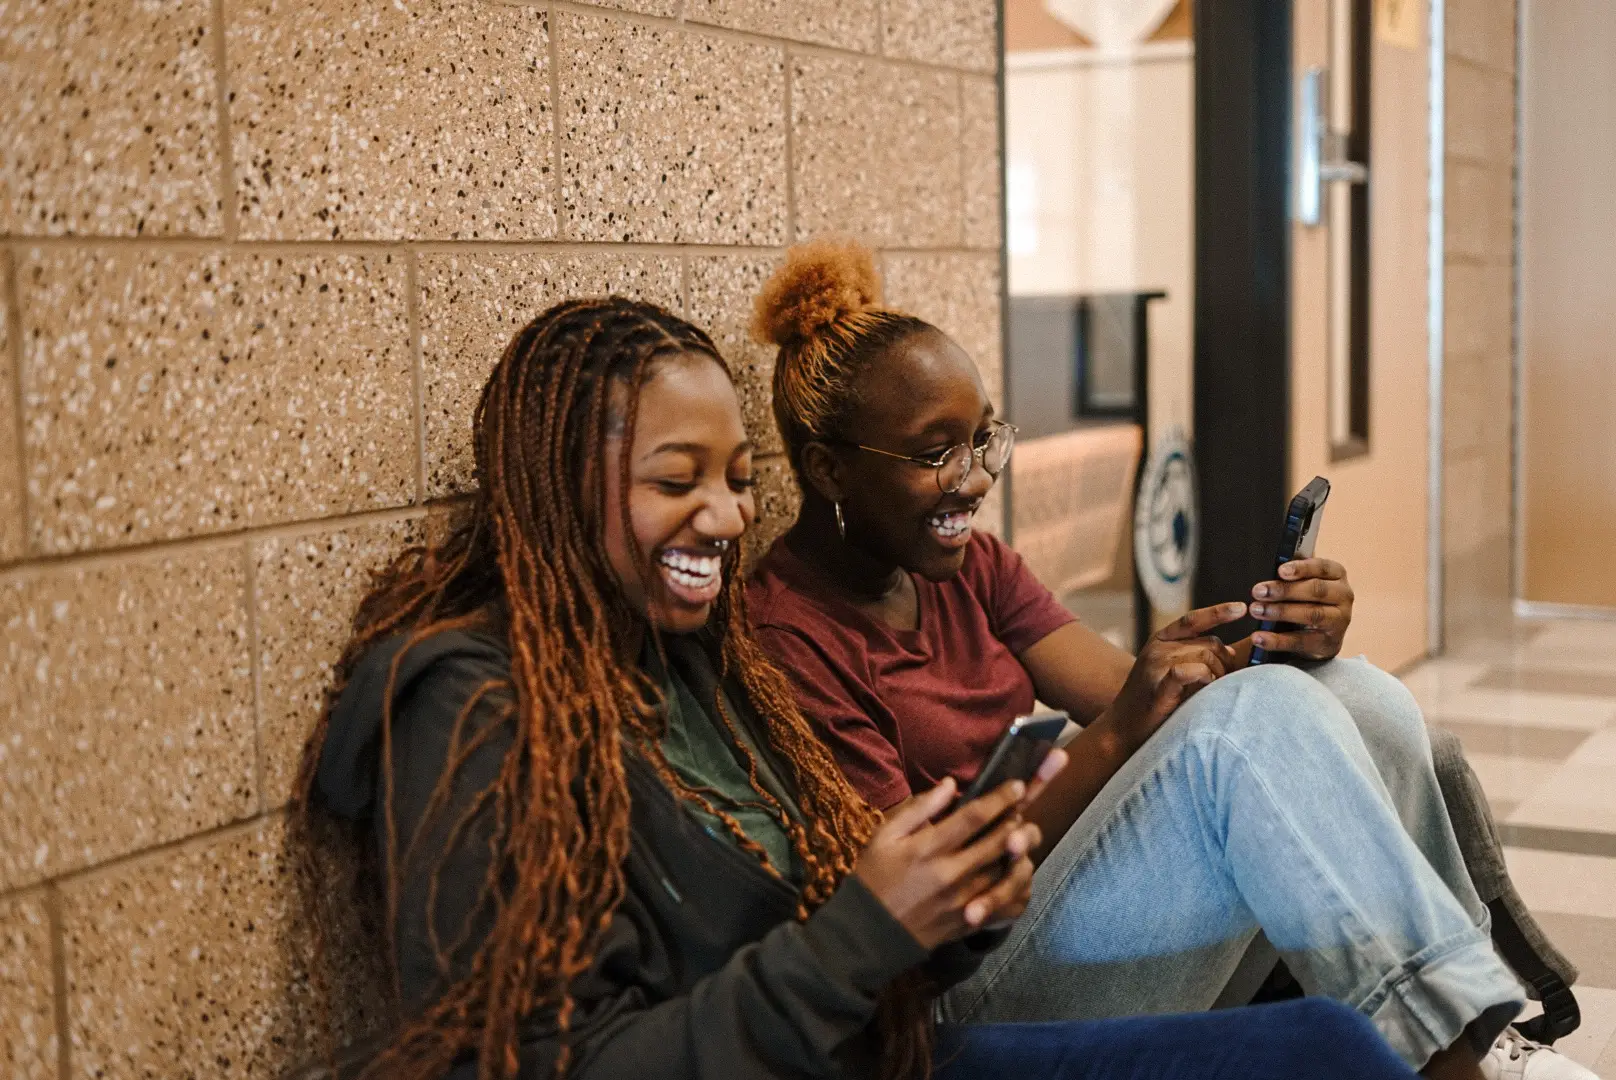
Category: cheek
<point>899,492</point>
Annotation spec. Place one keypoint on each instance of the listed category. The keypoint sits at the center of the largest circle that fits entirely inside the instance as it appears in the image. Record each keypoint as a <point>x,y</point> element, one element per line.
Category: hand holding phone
<point>1019,752</point>
<point>1299,540</point>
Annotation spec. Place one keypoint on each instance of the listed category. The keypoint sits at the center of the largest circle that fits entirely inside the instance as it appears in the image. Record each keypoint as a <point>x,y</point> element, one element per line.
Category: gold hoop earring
<point>841,524</point>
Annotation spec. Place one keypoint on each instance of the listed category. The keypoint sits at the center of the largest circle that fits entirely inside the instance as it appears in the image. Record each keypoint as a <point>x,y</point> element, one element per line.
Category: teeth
<point>695,571</point>
<point>951,524</point>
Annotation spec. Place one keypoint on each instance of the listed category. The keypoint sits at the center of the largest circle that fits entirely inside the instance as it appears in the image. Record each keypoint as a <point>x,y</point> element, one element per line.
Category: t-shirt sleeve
<point>1023,611</point>
<point>869,760</point>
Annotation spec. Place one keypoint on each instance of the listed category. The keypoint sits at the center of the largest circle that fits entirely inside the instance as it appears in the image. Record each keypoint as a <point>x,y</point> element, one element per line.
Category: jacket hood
<point>345,781</point>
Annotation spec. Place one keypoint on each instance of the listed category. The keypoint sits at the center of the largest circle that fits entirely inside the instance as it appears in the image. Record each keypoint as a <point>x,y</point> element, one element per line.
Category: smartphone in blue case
<point>1301,536</point>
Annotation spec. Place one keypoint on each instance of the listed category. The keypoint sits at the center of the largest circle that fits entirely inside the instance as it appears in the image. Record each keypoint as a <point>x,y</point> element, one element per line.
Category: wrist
<point>1114,738</point>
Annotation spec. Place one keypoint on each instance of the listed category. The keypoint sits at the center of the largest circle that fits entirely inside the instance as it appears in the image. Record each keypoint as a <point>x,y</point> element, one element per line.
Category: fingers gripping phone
<point>1301,536</point>
<point>1020,751</point>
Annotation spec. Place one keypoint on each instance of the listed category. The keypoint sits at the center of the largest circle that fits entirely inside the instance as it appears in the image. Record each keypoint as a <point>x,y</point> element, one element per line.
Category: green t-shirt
<point>699,749</point>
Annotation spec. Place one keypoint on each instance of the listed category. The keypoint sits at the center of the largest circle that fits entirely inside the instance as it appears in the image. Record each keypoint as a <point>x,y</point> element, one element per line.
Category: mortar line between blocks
<point>58,948</point>
<point>791,149</point>
<point>157,549</point>
<point>412,309</point>
<point>12,301</point>
<point>749,37</point>
<point>959,146</point>
<point>209,835</point>
<point>221,88</point>
<point>217,246</point>
<point>557,203</point>
<point>254,668</point>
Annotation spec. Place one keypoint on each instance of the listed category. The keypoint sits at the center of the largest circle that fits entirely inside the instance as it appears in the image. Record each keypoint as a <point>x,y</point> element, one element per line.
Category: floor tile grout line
<point>1552,838</point>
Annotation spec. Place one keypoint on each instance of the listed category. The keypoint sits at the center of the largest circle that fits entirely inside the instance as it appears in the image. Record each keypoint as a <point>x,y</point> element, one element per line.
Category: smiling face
<point>918,399</point>
<point>689,491</point>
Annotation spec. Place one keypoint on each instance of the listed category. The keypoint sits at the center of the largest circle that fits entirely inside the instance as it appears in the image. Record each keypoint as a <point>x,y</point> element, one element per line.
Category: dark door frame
<point>1242,291</point>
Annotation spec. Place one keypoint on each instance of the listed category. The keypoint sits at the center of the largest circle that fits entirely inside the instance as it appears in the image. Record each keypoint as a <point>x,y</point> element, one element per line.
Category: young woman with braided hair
<point>1204,800</point>
<point>608,843</point>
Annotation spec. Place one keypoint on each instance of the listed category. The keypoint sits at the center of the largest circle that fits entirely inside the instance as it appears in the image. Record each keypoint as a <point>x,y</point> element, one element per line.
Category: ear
<point>824,471</point>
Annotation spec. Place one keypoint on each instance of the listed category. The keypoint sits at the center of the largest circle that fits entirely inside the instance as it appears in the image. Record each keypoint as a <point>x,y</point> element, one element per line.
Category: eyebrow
<point>938,427</point>
<point>695,449</point>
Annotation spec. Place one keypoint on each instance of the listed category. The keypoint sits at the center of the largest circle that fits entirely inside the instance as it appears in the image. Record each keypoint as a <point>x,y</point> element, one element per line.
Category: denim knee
<point>1386,713</point>
<point>1269,692</point>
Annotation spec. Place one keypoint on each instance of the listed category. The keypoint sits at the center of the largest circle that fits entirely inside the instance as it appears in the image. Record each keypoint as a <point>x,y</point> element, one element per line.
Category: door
<point>1310,317</point>
<point>1359,388</point>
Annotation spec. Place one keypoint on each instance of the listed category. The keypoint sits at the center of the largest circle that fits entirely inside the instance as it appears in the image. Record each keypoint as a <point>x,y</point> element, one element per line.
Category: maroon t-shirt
<point>904,708</point>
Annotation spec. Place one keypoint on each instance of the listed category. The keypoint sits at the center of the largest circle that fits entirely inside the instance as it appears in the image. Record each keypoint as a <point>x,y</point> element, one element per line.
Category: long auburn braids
<point>530,547</point>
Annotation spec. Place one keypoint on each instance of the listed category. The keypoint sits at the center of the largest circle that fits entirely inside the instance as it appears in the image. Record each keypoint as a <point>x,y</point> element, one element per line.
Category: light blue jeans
<point>1302,804</point>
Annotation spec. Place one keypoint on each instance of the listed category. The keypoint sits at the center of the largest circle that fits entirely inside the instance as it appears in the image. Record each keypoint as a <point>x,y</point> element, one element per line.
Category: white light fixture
<point>1112,24</point>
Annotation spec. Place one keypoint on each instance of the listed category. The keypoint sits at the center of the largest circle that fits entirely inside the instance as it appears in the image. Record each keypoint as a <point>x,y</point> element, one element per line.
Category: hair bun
<point>820,282</point>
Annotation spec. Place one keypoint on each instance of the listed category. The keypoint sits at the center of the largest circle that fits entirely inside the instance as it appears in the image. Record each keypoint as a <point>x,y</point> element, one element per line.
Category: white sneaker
<point>1515,1057</point>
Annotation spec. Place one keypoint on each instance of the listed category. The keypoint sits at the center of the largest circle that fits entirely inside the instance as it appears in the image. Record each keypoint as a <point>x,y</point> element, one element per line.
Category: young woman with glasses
<point>1204,801</point>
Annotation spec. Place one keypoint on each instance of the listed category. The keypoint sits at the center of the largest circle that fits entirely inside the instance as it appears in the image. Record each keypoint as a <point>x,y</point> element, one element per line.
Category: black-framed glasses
<point>954,464</point>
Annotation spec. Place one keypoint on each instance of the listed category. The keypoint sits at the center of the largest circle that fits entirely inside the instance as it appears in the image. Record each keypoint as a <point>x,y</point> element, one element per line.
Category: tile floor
<point>1537,715</point>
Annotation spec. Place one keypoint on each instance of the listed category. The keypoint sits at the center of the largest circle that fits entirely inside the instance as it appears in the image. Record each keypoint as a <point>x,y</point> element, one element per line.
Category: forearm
<point>1096,754</point>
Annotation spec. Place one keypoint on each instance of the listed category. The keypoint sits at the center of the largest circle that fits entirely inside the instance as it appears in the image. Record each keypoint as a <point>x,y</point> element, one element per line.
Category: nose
<point>724,515</point>
<point>978,481</point>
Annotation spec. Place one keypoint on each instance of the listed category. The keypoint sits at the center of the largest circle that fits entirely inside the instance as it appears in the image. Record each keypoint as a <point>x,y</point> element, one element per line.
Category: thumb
<point>914,814</point>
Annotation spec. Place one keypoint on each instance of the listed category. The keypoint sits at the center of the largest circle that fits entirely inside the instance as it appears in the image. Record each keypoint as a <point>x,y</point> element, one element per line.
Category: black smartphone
<point>1301,536</point>
<point>1021,750</point>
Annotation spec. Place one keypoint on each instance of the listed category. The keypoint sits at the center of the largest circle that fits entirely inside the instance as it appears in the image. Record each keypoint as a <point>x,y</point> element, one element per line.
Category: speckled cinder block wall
<point>257,258</point>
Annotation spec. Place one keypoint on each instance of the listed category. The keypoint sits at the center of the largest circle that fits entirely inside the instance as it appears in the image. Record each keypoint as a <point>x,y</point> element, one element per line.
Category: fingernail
<point>1259,609</point>
<point>1261,591</point>
<point>1262,641</point>
<point>1287,571</point>
<point>1018,789</point>
<point>973,914</point>
<point>1237,608</point>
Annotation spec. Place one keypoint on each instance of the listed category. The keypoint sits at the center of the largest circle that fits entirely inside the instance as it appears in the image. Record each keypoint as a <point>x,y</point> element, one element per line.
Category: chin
<point>939,567</point>
<point>680,619</point>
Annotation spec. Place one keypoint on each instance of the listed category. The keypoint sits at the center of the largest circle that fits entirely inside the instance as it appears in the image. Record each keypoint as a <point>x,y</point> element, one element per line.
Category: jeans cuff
<point>1428,1003</point>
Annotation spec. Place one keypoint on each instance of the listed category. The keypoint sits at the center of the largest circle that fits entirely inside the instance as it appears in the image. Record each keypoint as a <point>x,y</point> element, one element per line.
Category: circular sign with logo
<point>1166,532</point>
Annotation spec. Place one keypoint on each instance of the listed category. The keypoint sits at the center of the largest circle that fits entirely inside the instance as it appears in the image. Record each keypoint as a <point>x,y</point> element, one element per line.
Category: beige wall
<point>257,258</point>
<point>1568,302</point>
<point>1478,394</point>
<point>1375,523</point>
<point>1108,144</point>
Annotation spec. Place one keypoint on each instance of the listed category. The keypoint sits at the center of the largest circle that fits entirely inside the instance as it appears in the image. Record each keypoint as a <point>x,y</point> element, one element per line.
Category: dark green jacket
<point>703,972</point>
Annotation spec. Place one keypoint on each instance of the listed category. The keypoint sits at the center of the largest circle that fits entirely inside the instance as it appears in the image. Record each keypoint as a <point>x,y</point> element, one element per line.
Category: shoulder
<point>779,595</point>
<point>422,683</point>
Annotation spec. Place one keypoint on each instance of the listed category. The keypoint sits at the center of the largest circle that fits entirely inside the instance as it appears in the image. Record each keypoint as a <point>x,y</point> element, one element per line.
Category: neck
<point>855,573</point>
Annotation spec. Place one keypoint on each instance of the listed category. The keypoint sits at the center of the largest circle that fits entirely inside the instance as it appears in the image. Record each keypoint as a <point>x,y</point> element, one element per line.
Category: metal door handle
<point>1321,153</point>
